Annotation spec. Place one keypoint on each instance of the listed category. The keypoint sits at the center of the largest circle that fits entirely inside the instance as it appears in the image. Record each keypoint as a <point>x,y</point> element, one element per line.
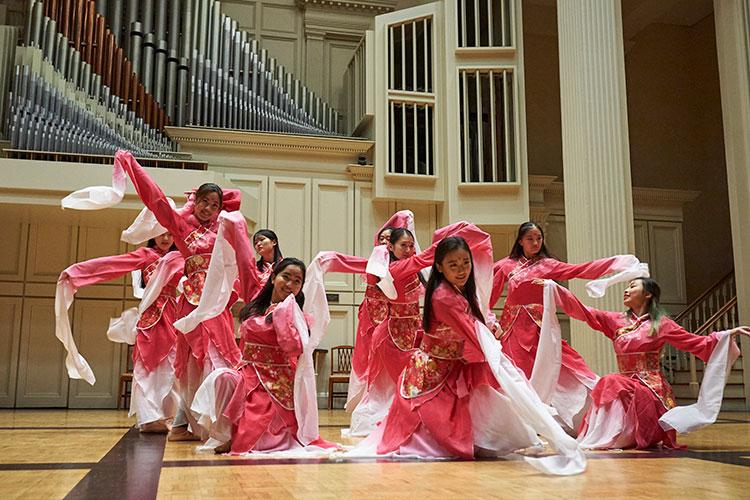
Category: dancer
<point>152,399</point>
<point>373,309</point>
<point>635,408</point>
<point>519,323</point>
<point>459,396</point>
<point>266,245</point>
<point>268,403</point>
<point>400,331</point>
<point>211,344</point>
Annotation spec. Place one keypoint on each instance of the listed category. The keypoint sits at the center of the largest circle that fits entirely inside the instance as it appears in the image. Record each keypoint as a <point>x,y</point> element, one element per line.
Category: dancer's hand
<point>740,330</point>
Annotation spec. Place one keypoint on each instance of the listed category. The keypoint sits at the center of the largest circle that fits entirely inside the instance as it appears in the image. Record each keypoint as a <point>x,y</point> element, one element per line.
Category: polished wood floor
<point>97,454</point>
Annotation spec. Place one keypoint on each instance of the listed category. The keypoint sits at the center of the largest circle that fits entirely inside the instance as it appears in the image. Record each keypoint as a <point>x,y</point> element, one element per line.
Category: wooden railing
<point>714,310</point>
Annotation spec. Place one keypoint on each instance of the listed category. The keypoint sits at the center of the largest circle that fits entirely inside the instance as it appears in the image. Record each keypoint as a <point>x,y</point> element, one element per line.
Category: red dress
<point>520,322</point>
<point>155,339</point>
<point>432,403</point>
<point>195,241</point>
<point>627,405</point>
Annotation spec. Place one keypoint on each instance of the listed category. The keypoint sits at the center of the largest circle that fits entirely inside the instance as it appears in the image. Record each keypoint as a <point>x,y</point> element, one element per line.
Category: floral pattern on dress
<point>510,314</point>
<point>196,267</point>
<point>376,304</point>
<point>278,381</point>
<point>199,240</point>
<point>646,367</point>
<point>404,324</point>
<point>152,314</point>
<point>424,374</point>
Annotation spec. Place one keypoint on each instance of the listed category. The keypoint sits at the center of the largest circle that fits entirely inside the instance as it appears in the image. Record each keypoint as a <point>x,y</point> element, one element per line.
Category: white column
<point>732,20</point>
<point>596,160</point>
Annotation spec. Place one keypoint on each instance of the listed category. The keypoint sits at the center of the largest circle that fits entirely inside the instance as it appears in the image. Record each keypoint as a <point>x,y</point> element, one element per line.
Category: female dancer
<point>266,245</point>
<point>636,408</point>
<point>458,394</point>
<point>373,309</point>
<point>396,336</point>
<point>153,374</point>
<point>519,324</point>
<point>212,343</point>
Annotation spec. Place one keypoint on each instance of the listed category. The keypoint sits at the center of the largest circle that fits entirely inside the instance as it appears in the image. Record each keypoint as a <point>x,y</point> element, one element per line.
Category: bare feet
<point>223,448</point>
<point>182,434</point>
<point>157,427</point>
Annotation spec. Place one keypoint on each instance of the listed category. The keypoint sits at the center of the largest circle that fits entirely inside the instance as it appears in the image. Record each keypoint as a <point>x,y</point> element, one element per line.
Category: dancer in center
<point>458,395</point>
<point>520,321</point>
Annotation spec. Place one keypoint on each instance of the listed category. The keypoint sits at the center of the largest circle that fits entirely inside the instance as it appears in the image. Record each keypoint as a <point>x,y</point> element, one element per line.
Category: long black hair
<point>517,251</point>
<point>469,292</point>
<point>384,229</point>
<point>276,250</point>
<point>262,301</point>
<point>655,310</point>
<point>208,188</point>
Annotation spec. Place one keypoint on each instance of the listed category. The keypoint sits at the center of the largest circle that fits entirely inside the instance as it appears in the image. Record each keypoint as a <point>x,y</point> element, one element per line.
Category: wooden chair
<point>341,366</point>
<point>319,357</point>
<point>126,382</point>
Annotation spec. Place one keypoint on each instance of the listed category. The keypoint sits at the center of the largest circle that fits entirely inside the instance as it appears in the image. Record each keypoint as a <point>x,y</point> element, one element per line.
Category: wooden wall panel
<point>13,249</point>
<point>369,217</point>
<point>42,376</point>
<point>10,339</point>
<point>52,248</point>
<point>333,225</point>
<point>90,322</point>
<point>289,208</point>
<point>667,260</point>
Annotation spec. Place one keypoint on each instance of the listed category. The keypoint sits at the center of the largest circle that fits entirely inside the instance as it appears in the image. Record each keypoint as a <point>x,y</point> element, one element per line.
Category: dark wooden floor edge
<point>131,469</point>
<point>76,428</point>
<point>47,466</point>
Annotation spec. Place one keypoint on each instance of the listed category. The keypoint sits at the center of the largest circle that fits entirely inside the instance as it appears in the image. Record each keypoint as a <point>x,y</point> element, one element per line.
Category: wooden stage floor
<point>97,454</point>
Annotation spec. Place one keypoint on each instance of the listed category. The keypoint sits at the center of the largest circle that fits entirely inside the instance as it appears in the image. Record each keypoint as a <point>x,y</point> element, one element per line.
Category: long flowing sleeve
<point>336,262</point>
<point>700,345</point>
<point>563,271</point>
<point>102,269</point>
<point>153,197</point>
<point>234,230</point>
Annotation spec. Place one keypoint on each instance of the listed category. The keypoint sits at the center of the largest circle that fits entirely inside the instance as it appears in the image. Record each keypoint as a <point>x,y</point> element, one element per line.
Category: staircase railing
<point>714,310</point>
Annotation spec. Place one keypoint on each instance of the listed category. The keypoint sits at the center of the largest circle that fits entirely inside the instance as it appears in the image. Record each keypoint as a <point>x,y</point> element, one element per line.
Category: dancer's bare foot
<point>182,434</point>
<point>157,427</point>
<point>223,448</point>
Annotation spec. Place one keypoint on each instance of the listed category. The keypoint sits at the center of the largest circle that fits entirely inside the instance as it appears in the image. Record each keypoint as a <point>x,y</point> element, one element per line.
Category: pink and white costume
<point>460,396</point>
<point>267,403</point>
<point>635,408</point>
<point>212,343</point>
<point>153,356</point>
<point>520,322</point>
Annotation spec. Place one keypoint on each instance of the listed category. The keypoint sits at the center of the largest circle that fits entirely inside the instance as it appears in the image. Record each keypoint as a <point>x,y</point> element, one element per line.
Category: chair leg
<point>121,392</point>
<point>330,394</point>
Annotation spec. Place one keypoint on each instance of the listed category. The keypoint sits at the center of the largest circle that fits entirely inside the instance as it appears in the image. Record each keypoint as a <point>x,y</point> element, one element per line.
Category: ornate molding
<point>641,194</point>
<point>360,172</point>
<point>375,7</point>
<point>269,142</point>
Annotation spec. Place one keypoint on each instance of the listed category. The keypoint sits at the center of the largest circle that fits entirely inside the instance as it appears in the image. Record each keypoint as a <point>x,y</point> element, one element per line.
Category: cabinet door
<point>667,260</point>
<point>289,215</point>
<point>10,338</point>
<point>256,186</point>
<point>425,220</point>
<point>333,225</point>
<point>52,248</point>
<point>42,376</point>
<point>13,249</point>
<point>90,322</point>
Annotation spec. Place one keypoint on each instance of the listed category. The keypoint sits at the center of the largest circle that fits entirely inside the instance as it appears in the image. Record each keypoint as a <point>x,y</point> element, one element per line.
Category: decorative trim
<point>644,194</point>
<point>375,6</point>
<point>361,172</point>
<point>269,142</point>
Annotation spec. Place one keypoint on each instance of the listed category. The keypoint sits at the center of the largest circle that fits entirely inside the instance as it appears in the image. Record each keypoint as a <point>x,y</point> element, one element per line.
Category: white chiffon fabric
<point>628,268</point>
<point>703,412</point>
<point>99,197</point>
<point>372,408</point>
<point>153,396</point>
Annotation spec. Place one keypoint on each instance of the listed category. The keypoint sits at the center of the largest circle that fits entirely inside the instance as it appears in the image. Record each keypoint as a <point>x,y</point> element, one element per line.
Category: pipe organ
<point>94,76</point>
